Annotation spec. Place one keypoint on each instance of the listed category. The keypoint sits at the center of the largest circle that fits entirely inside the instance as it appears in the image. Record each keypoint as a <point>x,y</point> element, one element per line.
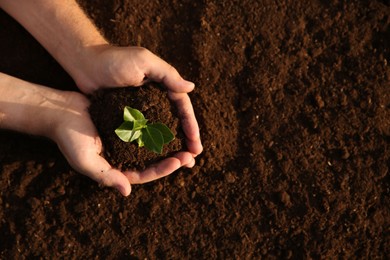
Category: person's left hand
<point>78,140</point>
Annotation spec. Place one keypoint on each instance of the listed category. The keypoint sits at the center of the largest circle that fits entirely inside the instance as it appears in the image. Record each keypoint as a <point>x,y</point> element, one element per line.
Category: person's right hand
<point>110,66</point>
<point>93,64</point>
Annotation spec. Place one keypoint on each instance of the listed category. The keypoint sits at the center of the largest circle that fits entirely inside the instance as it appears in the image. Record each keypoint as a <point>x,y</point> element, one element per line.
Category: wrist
<point>29,108</point>
<point>64,30</point>
<point>87,70</point>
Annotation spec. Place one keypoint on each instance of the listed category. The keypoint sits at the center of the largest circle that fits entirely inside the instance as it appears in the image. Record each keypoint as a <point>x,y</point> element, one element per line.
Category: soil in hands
<point>107,114</point>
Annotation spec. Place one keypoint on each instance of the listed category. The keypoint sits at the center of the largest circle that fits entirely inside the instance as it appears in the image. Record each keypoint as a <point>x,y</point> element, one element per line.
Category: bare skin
<point>93,64</point>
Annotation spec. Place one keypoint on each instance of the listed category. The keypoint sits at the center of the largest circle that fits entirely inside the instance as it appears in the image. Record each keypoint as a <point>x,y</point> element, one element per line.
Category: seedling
<point>136,128</point>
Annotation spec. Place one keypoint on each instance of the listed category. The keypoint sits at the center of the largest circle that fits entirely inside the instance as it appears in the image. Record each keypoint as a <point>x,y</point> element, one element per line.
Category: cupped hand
<point>78,140</point>
<point>110,66</point>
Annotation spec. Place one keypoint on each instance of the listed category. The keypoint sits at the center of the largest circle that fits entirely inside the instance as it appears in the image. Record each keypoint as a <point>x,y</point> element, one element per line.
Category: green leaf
<point>132,114</point>
<point>135,134</point>
<point>139,124</point>
<point>124,131</point>
<point>153,139</point>
<point>135,128</point>
<point>140,142</point>
<point>165,131</point>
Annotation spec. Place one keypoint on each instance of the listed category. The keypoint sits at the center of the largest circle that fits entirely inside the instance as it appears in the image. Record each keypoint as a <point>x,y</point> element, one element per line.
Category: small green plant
<point>135,128</point>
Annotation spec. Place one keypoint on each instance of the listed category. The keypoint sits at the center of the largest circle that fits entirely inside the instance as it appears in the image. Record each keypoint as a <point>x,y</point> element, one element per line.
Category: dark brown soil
<point>107,114</point>
<point>293,101</point>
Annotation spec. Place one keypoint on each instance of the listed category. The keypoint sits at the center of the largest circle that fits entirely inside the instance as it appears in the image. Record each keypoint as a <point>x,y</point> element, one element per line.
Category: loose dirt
<point>293,102</point>
<point>152,101</point>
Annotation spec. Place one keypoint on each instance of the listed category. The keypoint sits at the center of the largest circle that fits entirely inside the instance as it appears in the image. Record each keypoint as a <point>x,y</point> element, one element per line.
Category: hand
<point>110,66</point>
<point>93,64</point>
<point>78,140</point>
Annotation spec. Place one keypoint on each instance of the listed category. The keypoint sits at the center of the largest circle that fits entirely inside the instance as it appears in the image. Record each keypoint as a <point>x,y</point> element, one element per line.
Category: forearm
<point>29,108</point>
<point>62,28</point>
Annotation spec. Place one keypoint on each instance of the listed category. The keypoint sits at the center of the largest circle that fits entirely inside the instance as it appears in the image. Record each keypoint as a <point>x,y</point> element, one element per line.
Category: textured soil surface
<point>293,102</point>
<point>106,111</point>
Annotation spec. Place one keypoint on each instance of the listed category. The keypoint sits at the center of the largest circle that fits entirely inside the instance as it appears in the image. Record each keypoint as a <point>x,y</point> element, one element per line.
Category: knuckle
<point>172,70</point>
<point>104,180</point>
<point>141,51</point>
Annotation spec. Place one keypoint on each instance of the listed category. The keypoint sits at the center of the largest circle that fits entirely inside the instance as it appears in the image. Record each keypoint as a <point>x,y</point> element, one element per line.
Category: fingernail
<point>125,192</point>
<point>191,164</point>
<point>190,84</point>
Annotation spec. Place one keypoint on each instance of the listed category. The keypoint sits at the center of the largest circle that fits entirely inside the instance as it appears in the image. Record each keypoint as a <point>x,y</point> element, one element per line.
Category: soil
<point>293,102</point>
<point>106,111</point>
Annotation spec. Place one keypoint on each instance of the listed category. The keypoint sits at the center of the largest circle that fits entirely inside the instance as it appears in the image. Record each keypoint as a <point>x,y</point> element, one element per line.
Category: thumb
<point>101,171</point>
<point>116,179</point>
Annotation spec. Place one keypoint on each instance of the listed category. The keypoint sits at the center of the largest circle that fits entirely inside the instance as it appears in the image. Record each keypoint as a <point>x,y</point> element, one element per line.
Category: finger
<point>161,169</point>
<point>101,171</point>
<point>191,164</point>
<point>188,121</point>
<point>160,71</point>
